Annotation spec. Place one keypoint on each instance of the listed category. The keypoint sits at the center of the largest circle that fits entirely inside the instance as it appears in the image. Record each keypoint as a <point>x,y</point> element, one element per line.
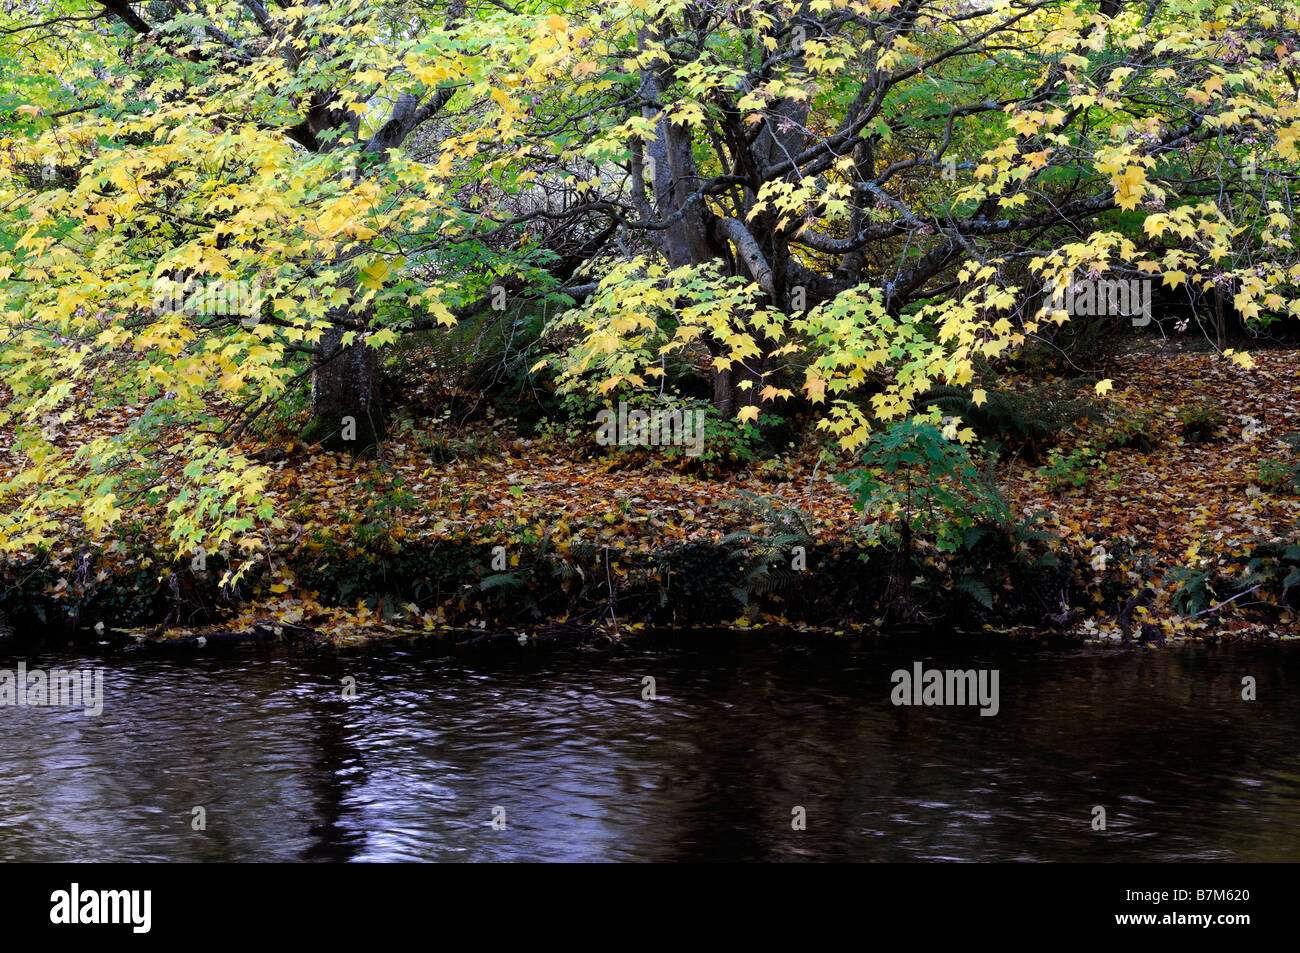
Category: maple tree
<point>849,201</point>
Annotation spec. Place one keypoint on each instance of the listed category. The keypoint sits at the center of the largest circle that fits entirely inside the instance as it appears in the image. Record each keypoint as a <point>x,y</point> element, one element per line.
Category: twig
<point>1226,601</point>
<point>609,585</point>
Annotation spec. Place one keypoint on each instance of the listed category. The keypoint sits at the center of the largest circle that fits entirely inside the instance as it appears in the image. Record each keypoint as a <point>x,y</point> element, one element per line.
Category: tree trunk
<point>1220,319</point>
<point>346,409</point>
<point>897,603</point>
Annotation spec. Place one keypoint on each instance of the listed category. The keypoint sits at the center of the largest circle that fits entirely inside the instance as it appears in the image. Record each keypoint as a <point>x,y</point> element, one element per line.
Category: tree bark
<point>346,407</point>
<point>1220,319</point>
<point>347,410</point>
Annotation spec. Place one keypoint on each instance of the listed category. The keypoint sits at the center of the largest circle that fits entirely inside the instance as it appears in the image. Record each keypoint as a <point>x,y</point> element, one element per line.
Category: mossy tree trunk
<point>346,402</point>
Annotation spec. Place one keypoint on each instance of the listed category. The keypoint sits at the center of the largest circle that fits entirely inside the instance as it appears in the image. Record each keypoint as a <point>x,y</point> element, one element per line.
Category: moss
<point>356,435</point>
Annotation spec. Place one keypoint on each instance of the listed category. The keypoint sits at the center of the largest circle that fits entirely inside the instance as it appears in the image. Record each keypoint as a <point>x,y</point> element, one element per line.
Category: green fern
<point>764,554</point>
<point>1027,421</point>
<point>977,591</point>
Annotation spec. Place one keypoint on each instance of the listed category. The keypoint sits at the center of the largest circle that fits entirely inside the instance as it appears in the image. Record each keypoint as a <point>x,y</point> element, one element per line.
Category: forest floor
<point>1179,507</point>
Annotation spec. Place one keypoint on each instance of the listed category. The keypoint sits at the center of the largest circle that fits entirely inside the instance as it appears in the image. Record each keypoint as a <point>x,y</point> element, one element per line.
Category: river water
<point>533,755</point>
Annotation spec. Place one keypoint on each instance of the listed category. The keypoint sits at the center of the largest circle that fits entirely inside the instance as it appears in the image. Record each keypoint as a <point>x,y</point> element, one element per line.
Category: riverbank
<point>1164,532</point>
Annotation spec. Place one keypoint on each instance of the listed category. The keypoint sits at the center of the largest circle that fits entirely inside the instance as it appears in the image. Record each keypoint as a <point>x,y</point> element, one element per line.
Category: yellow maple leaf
<point>1286,141</point>
<point>372,276</point>
<point>1129,186</point>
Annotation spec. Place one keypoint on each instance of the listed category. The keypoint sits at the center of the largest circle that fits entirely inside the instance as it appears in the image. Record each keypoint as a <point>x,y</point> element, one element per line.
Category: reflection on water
<point>740,733</point>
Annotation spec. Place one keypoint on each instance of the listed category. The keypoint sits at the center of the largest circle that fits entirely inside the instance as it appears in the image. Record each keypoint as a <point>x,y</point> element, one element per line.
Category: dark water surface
<point>741,733</point>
